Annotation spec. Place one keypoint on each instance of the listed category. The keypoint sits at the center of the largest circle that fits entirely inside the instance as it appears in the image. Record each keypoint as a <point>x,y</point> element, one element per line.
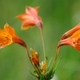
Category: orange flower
<point>34,57</point>
<point>8,36</point>
<point>72,38</point>
<point>70,32</point>
<point>30,18</point>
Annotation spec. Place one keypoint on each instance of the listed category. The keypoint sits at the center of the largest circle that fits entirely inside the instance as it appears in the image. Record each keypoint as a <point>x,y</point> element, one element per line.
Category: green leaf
<point>49,64</point>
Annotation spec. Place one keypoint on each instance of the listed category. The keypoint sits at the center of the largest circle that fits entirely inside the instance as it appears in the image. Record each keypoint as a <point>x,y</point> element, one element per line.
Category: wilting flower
<point>72,38</point>
<point>34,57</point>
<point>30,18</point>
<point>43,66</point>
<point>8,36</point>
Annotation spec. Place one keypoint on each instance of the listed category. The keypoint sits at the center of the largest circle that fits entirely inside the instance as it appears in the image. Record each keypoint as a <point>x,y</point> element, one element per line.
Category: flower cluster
<point>45,69</point>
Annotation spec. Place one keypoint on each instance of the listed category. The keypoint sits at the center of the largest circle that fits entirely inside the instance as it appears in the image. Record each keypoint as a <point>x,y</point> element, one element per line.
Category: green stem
<point>43,44</point>
<point>57,52</point>
<point>31,61</point>
<point>55,59</point>
<point>21,42</point>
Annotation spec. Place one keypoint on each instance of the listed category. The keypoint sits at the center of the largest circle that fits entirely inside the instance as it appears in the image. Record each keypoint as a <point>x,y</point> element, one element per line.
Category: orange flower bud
<point>34,57</point>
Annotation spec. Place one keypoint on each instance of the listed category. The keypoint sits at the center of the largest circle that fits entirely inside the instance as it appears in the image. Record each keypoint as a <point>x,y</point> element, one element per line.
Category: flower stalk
<point>43,45</point>
<point>55,59</point>
<point>35,67</point>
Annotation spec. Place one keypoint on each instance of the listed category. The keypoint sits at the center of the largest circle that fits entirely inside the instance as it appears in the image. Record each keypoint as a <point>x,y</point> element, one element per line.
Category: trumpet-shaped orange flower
<point>72,38</point>
<point>8,36</point>
<point>30,18</point>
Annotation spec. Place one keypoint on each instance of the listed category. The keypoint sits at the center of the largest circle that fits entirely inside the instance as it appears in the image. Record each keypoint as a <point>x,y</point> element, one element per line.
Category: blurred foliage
<point>58,17</point>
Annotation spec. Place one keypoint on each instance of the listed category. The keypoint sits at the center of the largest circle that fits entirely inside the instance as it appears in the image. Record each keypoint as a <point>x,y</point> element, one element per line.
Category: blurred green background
<point>58,17</point>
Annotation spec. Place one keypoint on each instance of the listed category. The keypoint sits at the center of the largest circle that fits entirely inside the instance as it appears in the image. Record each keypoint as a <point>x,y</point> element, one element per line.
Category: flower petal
<point>70,32</point>
<point>9,29</point>
<point>31,10</point>
<point>25,17</point>
<point>5,38</point>
<point>27,24</point>
<point>34,57</point>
